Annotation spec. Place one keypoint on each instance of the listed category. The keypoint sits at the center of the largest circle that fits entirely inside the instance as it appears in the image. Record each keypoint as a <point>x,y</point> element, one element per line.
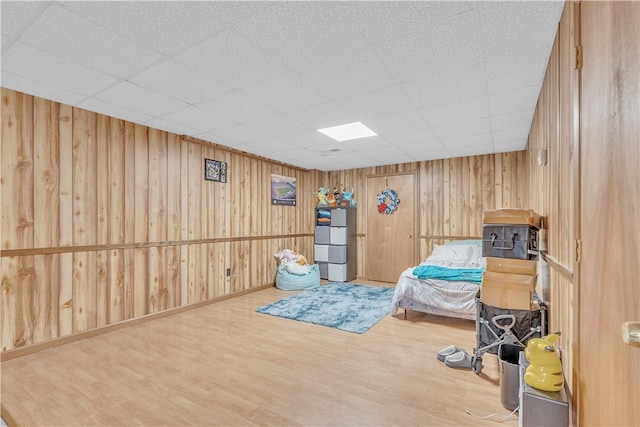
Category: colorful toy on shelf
<point>331,199</point>
<point>337,195</point>
<point>545,368</point>
<point>347,198</point>
<point>321,195</point>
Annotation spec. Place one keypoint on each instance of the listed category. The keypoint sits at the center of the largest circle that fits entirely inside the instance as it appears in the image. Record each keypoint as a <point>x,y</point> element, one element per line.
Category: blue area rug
<point>348,307</point>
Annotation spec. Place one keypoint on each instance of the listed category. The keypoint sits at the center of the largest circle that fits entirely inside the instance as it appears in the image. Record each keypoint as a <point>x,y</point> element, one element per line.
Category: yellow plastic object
<point>545,369</point>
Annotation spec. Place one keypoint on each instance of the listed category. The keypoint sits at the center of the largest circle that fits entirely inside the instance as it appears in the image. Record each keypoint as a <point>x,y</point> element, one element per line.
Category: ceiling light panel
<point>348,131</point>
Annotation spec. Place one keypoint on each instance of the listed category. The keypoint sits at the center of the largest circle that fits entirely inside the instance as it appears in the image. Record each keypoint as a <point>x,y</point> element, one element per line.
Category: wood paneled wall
<point>553,186</point>
<point>105,220</point>
<point>453,193</point>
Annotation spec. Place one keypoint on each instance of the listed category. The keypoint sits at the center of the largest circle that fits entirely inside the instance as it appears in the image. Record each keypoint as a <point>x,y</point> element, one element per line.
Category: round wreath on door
<point>387,201</point>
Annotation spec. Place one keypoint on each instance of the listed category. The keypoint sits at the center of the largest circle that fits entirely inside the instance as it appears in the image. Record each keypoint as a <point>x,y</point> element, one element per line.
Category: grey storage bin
<point>324,270</point>
<point>323,235</point>
<point>337,254</point>
<point>510,241</point>
<point>339,217</point>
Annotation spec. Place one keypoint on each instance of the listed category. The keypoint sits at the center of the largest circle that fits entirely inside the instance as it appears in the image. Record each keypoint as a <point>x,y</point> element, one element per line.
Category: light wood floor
<point>225,364</point>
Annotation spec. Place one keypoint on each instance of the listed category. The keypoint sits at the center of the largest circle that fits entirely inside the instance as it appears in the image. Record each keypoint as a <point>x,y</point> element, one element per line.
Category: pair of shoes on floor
<point>455,357</point>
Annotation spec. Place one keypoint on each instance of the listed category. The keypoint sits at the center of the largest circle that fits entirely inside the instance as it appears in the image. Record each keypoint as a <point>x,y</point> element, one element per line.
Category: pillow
<point>453,252</point>
<point>464,242</point>
<point>456,256</point>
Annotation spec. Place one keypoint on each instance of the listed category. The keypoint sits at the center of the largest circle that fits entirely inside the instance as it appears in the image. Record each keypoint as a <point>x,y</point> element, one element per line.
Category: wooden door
<point>390,239</point>
<point>609,369</point>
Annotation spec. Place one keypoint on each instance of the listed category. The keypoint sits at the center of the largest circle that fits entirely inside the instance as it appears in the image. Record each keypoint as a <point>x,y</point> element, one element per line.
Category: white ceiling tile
<point>461,111</point>
<point>309,139</point>
<point>514,100</point>
<point>390,155</point>
<point>415,136</point>
<point>234,11</point>
<point>136,98</point>
<point>31,87</point>
<point>381,102</point>
<point>169,126</point>
<point>480,139</point>
<point>6,43</point>
<point>433,50</point>
<point>231,60</point>
<point>302,33</point>
<point>348,76</point>
<point>443,88</point>
<point>286,94</point>
<point>238,107</point>
<point>278,126</point>
<point>66,34</point>
<point>271,145</point>
<point>16,15</point>
<point>363,145</point>
<point>240,133</point>
<point>164,26</point>
<point>196,118</point>
<point>509,27</point>
<point>45,68</point>
<point>424,148</point>
<point>386,20</point>
<point>395,123</point>
<point>517,71</point>
<point>117,111</point>
<point>520,135</point>
<point>520,119</point>
<point>462,129</point>
<point>324,115</point>
<point>175,80</point>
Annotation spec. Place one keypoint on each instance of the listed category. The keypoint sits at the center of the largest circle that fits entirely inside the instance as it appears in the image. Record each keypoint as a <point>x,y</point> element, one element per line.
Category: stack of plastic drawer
<point>335,245</point>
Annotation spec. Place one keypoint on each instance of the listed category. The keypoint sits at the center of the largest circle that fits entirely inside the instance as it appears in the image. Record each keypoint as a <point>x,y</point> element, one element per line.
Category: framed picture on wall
<point>215,170</point>
<point>283,190</point>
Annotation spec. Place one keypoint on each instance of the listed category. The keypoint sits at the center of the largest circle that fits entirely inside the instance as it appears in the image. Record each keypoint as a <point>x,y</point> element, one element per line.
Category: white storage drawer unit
<point>337,254</point>
<point>323,235</point>
<point>335,248</point>
<point>321,252</point>
<point>338,236</point>
<point>338,272</point>
<point>339,217</point>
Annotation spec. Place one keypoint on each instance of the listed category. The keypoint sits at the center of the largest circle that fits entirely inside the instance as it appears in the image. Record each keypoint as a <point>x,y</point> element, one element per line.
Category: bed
<point>445,284</point>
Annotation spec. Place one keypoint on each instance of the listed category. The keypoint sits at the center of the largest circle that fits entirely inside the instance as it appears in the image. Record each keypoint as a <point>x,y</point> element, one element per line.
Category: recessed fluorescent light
<point>348,132</point>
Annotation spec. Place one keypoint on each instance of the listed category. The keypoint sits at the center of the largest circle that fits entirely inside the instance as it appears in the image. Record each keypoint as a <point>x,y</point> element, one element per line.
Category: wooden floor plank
<point>225,364</point>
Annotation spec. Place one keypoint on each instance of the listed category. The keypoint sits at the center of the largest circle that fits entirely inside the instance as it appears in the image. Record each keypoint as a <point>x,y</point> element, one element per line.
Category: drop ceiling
<point>433,79</point>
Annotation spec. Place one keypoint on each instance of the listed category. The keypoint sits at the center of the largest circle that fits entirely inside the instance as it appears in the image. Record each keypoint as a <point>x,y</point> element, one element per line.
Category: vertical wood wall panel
<point>141,231</point>
<point>453,194</point>
<point>46,152</point>
<point>552,186</point>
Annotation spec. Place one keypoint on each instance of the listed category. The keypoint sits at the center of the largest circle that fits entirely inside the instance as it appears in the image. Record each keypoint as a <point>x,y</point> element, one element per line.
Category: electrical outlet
<point>228,272</point>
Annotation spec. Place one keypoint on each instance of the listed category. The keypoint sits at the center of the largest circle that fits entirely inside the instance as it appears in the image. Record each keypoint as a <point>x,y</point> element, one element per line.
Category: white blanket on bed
<point>448,295</point>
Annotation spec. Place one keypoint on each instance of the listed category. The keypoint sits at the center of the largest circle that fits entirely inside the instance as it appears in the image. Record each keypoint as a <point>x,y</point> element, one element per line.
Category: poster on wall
<point>215,170</point>
<point>283,190</point>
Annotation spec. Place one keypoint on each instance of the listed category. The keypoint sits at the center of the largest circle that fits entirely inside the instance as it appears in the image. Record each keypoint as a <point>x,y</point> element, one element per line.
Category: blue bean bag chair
<point>291,282</point>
